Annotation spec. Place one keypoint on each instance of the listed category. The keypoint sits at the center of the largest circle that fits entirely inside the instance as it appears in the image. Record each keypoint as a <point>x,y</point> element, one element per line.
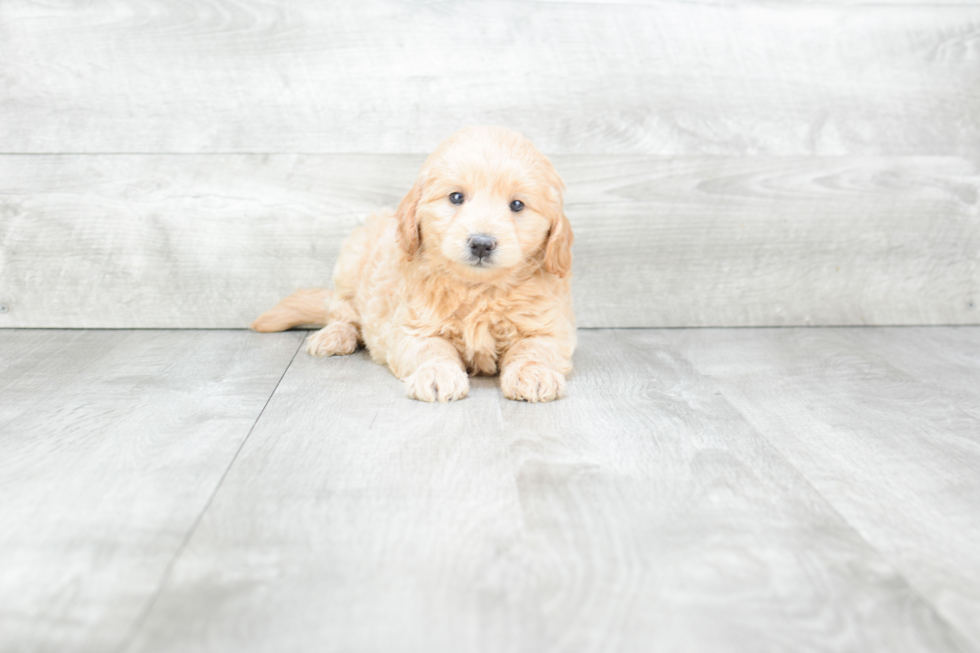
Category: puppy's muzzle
<point>481,246</point>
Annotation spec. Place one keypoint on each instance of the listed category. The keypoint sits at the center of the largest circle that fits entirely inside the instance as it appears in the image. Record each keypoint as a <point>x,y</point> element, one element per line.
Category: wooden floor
<point>697,490</point>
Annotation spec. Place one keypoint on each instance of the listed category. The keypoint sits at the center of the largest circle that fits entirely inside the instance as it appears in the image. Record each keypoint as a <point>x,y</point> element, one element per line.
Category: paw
<point>532,382</point>
<point>337,339</point>
<point>438,382</point>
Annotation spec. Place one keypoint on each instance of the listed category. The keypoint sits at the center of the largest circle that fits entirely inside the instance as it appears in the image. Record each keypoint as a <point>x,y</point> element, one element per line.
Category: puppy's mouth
<point>486,262</point>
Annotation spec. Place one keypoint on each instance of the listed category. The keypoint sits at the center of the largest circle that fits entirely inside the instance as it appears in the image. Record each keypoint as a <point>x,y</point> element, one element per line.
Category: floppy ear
<point>407,231</point>
<point>558,250</point>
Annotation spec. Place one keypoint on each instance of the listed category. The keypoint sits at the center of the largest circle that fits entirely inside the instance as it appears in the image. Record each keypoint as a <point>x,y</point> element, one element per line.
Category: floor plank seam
<point>144,614</point>
<point>963,637</point>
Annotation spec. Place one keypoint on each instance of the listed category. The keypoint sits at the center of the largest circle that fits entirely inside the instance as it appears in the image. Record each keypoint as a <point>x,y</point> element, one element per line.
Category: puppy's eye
<point>456,198</point>
<point>517,206</point>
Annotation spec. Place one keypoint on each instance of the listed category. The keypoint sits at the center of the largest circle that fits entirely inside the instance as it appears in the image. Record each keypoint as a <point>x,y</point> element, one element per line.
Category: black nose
<point>481,245</point>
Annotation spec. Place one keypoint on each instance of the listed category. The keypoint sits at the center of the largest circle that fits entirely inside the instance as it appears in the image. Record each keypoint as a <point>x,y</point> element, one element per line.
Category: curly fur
<point>407,287</point>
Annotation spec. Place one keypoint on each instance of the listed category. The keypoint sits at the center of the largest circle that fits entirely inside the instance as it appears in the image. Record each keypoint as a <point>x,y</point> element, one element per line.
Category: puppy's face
<point>485,214</point>
<point>487,203</point>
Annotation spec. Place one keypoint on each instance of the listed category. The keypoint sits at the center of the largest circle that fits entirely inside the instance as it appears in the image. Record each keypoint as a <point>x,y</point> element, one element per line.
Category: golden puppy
<point>469,275</point>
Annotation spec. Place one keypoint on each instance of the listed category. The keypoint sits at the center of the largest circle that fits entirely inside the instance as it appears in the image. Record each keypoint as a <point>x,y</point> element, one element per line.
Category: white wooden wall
<point>185,164</point>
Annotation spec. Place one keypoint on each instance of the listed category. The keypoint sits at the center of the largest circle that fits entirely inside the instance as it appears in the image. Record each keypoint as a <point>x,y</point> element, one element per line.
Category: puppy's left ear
<point>558,250</point>
<point>407,233</point>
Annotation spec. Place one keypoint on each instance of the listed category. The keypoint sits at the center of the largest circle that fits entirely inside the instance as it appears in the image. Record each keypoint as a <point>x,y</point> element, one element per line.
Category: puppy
<point>469,276</point>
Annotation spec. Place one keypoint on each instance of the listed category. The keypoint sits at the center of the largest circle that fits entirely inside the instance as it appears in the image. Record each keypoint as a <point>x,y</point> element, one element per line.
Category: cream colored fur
<point>406,286</point>
<point>307,307</point>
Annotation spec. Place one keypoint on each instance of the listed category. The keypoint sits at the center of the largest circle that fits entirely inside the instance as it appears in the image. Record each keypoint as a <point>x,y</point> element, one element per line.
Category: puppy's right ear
<point>407,231</point>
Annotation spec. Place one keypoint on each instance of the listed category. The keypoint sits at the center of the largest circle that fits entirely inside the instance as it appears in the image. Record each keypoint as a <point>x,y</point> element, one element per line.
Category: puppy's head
<point>487,203</point>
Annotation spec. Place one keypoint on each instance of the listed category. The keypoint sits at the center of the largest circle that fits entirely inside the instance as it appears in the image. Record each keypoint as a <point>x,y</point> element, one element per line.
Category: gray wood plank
<point>211,241</point>
<point>355,520</point>
<point>776,241</point>
<point>111,444</point>
<point>946,359</point>
<point>679,77</point>
<point>899,458</point>
<point>640,513</point>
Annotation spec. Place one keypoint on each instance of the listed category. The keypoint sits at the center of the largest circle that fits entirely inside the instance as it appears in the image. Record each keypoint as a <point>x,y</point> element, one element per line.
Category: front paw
<point>532,382</point>
<point>438,382</point>
<point>337,339</point>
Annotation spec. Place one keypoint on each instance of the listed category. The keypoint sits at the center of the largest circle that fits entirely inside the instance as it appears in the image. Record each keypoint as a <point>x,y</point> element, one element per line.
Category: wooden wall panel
<point>184,164</point>
<point>777,241</point>
<point>658,78</point>
<point>210,241</point>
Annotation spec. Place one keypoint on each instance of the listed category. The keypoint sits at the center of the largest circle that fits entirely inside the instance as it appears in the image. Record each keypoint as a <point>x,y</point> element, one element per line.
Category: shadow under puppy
<point>469,275</point>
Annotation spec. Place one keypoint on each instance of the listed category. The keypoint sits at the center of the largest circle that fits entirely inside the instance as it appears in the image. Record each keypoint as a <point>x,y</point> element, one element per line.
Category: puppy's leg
<point>335,339</point>
<point>341,336</point>
<point>534,369</point>
<point>431,369</point>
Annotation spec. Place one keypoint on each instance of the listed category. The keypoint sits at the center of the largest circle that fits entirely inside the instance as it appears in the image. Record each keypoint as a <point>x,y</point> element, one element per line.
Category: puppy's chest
<point>481,332</point>
<point>476,323</point>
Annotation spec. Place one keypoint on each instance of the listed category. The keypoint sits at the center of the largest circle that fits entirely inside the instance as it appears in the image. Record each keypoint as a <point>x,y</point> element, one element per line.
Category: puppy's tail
<point>302,307</point>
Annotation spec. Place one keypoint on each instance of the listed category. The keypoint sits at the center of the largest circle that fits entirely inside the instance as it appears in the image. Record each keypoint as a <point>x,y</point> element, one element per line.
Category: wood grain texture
<point>948,360</point>
<point>672,77</point>
<point>357,520</point>
<point>111,444</point>
<point>211,241</point>
<point>897,456</point>
<point>776,241</point>
<point>640,513</point>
